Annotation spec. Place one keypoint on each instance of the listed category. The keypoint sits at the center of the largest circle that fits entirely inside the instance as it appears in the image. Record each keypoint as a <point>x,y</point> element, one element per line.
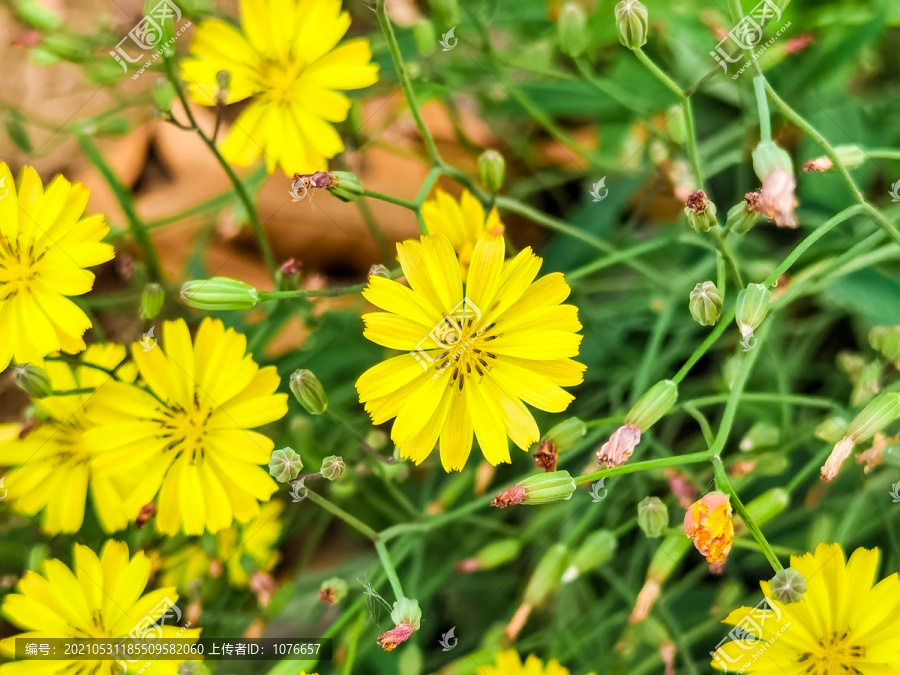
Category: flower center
<point>279,81</point>
<point>466,340</point>
<point>835,654</point>
<point>186,430</point>
<point>18,269</point>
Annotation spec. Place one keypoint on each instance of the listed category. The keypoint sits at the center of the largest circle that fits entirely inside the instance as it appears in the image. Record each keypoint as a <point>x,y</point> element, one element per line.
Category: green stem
<point>388,30</point>
<point>321,293</point>
<point>721,327</point>
<point>765,121</point>
<point>336,510</point>
<point>263,242</point>
<point>388,565</point>
<point>883,153</point>
<point>675,460</point>
<point>390,199</point>
<point>723,248</point>
<point>135,224</point>
<point>73,392</point>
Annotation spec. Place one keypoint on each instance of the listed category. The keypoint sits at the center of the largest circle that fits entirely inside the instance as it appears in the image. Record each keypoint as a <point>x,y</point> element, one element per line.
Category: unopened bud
<point>163,94</point>
<point>653,517</point>
<point>632,23</point>
<point>764,508</point>
<point>700,212</point>
<point>219,293</point>
<point>788,586</point>
<point>152,299</point>
<point>760,435</point>
<point>832,429</point>
<point>596,550</point>
<point>571,30</point>
<point>667,557</point>
<point>425,37</point>
<point>345,186</point>
<point>547,575</point>
<point>492,169</point>
<point>566,434</point>
<point>653,405</point>
<point>880,412</point>
<point>285,465</point>
<point>491,556</point>
<point>379,271</point>
<point>332,591</point>
<point>541,488</point>
<point>867,384</point>
<point>767,156</point>
<point>33,380</point>
<point>309,392</point>
<point>752,307</point>
<point>740,218</point>
<point>332,467</point>
<point>886,340</point>
<point>445,12</point>
<point>705,303</point>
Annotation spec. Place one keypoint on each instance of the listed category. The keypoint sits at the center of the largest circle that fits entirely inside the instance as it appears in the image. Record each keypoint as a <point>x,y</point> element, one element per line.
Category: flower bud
<point>219,293</point>
<point>752,307</point>
<point>632,23</point>
<point>285,465</point>
<point>541,488</point>
<point>445,12</point>
<point>425,37</point>
<point>764,508</point>
<point>831,429</point>
<point>223,81</point>
<point>851,156</point>
<point>566,434</point>
<point>332,467</point>
<point>677,125</point>
<point>886,341</point>
<point>547,575</point>
<point>787,586</point>
<point>653,405</point>
<point>709,524</point>
<point>700,212</point>
<point>740,218</point>
<point>705,303</point>
<point>867,384</point>
<point>33,380</point>
<point>670,553</point>
<point>571,30</point>
<point>492,169</point>
<point>653,517</point>
<point>880,412</point>
<point>152,300</point>
<point>379,271</point>
<point>332,591</point>
<point>767,157</point>
<point>345,186</point>
<point>36,15</point>
<point>491,556</point>
<point>596,550</point>
<point>309,392</point>
<point>760,435</point>
<point>163,94</point>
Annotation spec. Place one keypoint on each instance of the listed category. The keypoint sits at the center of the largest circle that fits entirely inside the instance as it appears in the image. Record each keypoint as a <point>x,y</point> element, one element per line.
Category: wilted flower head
<point>776,199</point>
<point>708,522</point>
<point>407,616</point>
<point>620,446</point>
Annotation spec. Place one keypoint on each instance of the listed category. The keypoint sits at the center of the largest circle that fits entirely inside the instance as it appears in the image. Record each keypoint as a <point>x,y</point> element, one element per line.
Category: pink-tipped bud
<point>620,446</point>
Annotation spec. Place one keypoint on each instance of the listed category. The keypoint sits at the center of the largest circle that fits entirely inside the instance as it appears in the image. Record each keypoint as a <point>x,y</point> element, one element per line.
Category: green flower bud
<point>345,186</point>
<point>752,307</point>
<point>632,23</point>
<point>407,611</point>
<point>152,299</point>
<point>741,219</point>
<point>880,412</point>
<point>653,405</point>
<point>545,488</point>
<point>17,131</point>
<point>223,81</point>
<point>831,430</point>
<point>886,340</point>
<point>677,124</point>
<point>867,384</point>
<point>425,37</point>
<point>566,434</point>
<point>33,380</point>
<point>332,591</point>
<point>493,555</point>
<point>765,507</point>
<point>671,551</point>
<point>760,435</point>
<point>768,156</point>
<point>219,293</point>
<point>700,212</point>
<point>36,15</point>
<point>104,72</point>
<point>309,392</point>
<point>547,575</point>
<point>705,303</point>
<point>285,465</point>
<point>596,550</point>
<point>653,517</point>
<point>571,30</point>
<point>787,586</point>
<point>772,463</point>
<point>492,169</point>
<point>332,467</point>
<point>445,12</point>
<point>163,94</point>
<point>42,57</point>
<point>67,47</point>
<point>379,271</point>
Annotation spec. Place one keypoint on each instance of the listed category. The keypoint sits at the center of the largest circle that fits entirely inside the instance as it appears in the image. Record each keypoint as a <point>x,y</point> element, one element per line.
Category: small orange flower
<point>708,522</point>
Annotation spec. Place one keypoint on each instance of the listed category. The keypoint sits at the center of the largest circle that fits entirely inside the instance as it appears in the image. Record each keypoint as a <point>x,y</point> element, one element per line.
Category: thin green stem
<point>675,460</point>
<point>721,327</point>
<point>765,121</point>
<point>390,199</point>
<point>73,392</point>
<point>336,510</point>
<point>725,250</point>
<point>388,565</point>
<point>883,153</point>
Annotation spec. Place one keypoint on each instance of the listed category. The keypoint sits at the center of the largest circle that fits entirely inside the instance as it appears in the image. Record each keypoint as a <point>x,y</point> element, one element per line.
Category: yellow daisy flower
<point>45,247</point>
<point>844,623</point>
<point>54,472</point>
<point>100,597</point>
<point>257,539</point>
<point>285,57</point>
<point>462,222</point>
<point>189,436</point>
<point>510,663</point>
<point>473,356</point>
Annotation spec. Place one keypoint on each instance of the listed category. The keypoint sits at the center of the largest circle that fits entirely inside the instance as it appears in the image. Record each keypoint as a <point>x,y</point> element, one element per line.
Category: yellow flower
<point>99,598</point>
<point>45,247</point>
<point>709,523</point>
<point>844,623</point>
<point>256,539</point>
<point>188,436</point>
<point>285,58</point>
<point>475,357</point>
<point>462,222</point>
<point>54,472</point>
<point>509,663</point>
